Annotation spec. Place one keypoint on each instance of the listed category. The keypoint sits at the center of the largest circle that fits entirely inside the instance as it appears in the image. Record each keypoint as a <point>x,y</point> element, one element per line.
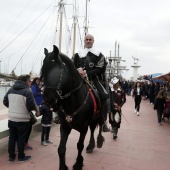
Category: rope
<point>32,42</point>
<point>70,39</point>
<point>67,27</point>
<point>81,41</point>
<point>11,26</point>
<point>55,31</point>
<point>25,29</point>
<point>43,44</point>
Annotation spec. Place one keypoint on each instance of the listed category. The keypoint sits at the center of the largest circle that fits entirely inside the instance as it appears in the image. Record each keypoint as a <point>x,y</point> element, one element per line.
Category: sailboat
<point>67,36</point>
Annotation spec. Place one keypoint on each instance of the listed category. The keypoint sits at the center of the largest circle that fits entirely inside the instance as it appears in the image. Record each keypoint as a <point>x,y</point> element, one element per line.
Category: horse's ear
<point>55,50</point>
<point>45,51</point>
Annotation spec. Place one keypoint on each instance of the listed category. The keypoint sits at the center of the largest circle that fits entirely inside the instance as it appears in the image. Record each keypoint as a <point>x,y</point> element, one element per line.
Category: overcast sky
<point>141,27</point>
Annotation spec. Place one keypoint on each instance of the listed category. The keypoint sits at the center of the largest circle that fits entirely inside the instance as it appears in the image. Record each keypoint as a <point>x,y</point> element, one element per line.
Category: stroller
<point>166,113</point>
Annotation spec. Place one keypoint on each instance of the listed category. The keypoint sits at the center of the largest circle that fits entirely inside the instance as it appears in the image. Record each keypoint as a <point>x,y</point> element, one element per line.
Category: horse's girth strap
<point>94,100</point>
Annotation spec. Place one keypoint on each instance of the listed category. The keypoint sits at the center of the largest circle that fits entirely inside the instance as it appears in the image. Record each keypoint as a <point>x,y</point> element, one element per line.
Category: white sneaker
<point>43,143</point>
<point>137,113</point>
<point>135,110</point>
<point>49,142</point>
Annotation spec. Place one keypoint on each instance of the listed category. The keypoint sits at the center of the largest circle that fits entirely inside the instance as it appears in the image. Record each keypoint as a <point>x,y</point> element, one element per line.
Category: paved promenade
<point>141,145</point>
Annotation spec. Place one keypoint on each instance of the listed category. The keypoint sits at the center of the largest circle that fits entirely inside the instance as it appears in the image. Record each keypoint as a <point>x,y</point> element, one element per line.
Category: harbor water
<point>3,91</point>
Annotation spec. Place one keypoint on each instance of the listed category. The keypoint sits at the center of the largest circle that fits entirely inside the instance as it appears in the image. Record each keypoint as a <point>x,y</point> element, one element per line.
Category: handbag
<point>33,119</point>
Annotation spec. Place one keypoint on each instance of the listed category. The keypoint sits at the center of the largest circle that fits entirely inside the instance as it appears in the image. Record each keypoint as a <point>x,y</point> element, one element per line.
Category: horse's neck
<point>75,100</point>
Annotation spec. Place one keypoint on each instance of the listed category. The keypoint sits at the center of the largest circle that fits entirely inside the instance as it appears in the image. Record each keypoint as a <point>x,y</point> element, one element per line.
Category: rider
<point>91,64</point>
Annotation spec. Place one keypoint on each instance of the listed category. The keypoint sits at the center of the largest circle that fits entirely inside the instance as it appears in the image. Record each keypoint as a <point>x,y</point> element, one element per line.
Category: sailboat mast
<point>86,27</point>
<point>61,23</point>
<point>75,21</point>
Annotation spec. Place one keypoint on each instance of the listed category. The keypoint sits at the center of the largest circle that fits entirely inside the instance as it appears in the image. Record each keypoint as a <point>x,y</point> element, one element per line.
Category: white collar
<point>84,52</point>
<point>112,89</point>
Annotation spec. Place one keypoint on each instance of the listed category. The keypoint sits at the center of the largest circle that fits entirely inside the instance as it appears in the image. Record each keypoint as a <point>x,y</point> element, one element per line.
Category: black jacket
<point>95,67</point>
<point>46,113</point>
<point>135,93</point>
<point>159,104</point>
<point>20,101</point>
<point>20,88</point>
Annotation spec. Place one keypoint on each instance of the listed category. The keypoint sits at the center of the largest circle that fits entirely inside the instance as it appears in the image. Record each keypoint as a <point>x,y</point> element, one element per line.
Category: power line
<point>25,29</point>
<point>32,41</point>
<point>15,20</point>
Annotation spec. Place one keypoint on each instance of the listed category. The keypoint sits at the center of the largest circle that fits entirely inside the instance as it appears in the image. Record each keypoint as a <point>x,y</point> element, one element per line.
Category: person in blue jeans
<point>20,103</point>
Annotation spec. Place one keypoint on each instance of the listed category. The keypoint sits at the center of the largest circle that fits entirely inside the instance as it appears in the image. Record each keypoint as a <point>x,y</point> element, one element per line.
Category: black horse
<point>70,94</point>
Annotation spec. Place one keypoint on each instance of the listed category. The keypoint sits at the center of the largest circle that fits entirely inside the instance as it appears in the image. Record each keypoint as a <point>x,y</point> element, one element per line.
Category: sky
<point>141,27</point>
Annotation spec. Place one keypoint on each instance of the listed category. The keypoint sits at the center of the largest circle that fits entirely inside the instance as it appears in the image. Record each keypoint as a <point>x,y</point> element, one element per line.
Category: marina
<point>141,145</point>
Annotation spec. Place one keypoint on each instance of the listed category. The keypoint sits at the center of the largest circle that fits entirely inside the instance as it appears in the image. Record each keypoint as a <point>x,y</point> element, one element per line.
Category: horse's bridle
<point>59,92</point>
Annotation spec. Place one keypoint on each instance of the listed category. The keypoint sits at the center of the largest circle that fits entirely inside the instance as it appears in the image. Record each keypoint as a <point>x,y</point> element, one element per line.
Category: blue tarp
<point>155,75</point>
<point>157,81</point>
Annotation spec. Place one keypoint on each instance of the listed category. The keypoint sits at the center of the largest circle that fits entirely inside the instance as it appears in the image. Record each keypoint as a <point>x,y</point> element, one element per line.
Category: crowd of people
<point>26,96</point>
<point>158,95</point>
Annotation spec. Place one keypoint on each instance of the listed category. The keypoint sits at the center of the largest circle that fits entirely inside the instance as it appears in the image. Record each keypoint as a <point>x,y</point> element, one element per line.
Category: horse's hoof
<point>100,141</point>
<point>89,150</point>
<point>77,166</point>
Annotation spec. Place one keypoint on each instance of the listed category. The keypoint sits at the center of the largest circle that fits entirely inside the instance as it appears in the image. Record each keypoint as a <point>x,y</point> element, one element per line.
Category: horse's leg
<point>64,132</point>
<point>80,146</point>
<point>103,111</point>
<point>91,145</point>
<point>100,138</point>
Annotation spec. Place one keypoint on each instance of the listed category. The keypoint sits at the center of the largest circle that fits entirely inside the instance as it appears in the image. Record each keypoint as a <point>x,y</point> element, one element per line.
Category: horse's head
<point>58,74</point>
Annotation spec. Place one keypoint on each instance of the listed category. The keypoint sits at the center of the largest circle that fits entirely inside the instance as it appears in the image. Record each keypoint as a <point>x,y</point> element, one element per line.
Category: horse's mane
<point>49,63</point>
<point>69,63</point>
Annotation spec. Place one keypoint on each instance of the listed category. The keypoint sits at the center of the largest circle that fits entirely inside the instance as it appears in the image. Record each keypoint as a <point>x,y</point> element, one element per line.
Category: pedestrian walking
<point>159,106</point>
<point>152,92</point>
<point>137,94</point>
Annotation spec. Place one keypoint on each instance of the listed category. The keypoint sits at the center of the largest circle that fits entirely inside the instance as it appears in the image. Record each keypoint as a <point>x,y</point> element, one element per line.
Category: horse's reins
<point>70,117</point>
<point>68,94</point>
<point>59,92</point>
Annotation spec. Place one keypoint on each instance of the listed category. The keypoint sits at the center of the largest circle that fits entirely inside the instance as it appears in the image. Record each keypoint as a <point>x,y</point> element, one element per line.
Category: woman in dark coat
<point>159,105</point>
<point>137,94</point>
